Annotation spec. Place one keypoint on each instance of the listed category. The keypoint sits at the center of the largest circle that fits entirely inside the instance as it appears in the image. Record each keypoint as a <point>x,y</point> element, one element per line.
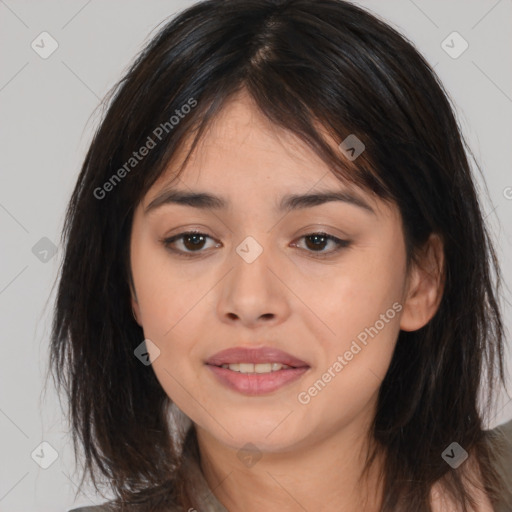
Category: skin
<point>313,308</point>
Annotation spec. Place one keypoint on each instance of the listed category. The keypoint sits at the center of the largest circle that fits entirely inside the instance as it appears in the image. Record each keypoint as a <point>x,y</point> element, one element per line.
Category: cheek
<point>375,281</point>
<point>164,293</point>
<point>355,295</point>
<point>362,309</point>
<point>172,313</point>
<point>353,363</point>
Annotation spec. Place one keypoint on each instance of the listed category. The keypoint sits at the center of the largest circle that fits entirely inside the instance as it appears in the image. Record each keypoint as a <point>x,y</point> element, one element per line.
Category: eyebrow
<point>207,201</point>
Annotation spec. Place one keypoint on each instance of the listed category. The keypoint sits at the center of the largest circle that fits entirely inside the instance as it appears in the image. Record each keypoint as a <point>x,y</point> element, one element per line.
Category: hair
<point>306,64</point>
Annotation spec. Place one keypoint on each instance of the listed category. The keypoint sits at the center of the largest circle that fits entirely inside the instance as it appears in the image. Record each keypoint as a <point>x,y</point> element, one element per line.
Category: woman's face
<point>256,279</point>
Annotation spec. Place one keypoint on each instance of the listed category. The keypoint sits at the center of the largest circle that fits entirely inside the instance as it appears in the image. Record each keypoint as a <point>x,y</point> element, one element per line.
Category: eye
<point>191,243</point>
<point>317,242</point>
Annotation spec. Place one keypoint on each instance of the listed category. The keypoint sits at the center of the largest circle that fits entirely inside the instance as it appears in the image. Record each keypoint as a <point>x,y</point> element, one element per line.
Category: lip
<point>255,356</point>
<point>256,383</point>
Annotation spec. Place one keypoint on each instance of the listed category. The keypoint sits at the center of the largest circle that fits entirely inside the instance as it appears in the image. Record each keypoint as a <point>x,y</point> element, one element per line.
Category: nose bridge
<point>251,290</point>
<point>251,275</point>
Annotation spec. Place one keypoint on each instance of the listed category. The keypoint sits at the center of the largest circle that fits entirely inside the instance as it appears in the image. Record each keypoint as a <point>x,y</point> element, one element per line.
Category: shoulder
<point>109,507</point>
<point>94,508</point>
<point>500,442</point>
<point>440,502</point>
<point>500,439</point>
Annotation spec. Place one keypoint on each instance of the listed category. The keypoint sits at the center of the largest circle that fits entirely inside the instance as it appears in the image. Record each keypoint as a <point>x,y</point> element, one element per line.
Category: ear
<point>425,285</point>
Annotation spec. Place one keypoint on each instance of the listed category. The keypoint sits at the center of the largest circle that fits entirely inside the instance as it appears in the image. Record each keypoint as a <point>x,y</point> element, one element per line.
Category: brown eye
<point>194,241</point>
<point>187,243</point>
<point>317,242</point>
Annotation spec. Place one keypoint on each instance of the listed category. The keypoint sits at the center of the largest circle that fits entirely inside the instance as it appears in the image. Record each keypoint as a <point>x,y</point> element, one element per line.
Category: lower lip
<point>256,383</point>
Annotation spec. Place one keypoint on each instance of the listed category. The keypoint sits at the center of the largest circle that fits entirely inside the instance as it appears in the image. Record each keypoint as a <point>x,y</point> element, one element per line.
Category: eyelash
<point>341,244</point>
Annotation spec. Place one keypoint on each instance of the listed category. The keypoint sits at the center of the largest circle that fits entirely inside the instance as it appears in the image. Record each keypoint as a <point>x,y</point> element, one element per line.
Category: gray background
<point>47,112</point>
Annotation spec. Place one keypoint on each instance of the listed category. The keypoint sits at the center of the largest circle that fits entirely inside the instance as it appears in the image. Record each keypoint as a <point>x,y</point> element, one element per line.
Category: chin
<point>267,434</point>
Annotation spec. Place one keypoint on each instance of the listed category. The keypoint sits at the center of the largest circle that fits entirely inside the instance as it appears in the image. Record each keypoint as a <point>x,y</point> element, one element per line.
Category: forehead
<point>241,141</point>
<point>243,153</point>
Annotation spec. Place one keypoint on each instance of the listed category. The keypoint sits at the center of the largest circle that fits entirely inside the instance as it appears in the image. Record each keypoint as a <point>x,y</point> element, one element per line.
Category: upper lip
<point>254,355</point>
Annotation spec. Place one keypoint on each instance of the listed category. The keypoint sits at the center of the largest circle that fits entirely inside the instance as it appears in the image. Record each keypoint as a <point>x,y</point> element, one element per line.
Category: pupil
<point>195,244</point>
<point>316,238</point>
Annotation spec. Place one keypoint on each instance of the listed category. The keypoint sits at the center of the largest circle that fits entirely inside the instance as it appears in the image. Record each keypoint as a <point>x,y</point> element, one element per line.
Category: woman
<point>277,287</point>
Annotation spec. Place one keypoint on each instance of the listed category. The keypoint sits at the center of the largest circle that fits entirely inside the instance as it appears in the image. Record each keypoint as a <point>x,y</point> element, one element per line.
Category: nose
<point>254,293</point>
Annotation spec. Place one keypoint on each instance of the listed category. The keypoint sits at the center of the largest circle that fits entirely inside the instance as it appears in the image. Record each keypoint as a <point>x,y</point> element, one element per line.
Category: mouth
<point>256,371</point>
<point>256,368</point>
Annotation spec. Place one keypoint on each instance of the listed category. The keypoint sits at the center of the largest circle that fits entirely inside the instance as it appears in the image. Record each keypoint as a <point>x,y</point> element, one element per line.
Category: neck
<point>323,475</point>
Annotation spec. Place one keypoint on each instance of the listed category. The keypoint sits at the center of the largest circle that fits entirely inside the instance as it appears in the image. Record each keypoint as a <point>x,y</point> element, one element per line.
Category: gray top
<point>503,434</point>
<point>209,503</point>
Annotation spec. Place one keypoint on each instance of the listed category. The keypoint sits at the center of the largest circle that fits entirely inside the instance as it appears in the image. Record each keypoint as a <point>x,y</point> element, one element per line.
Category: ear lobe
<point>425,286</point>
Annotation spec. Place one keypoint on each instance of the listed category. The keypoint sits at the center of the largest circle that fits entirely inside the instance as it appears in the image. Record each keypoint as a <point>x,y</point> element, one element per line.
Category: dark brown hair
<point>306,63</point>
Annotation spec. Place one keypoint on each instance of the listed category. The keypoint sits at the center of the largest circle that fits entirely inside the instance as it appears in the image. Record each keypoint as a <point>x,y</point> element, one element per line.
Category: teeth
<point>246,368</point>
<point>256,368</point>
